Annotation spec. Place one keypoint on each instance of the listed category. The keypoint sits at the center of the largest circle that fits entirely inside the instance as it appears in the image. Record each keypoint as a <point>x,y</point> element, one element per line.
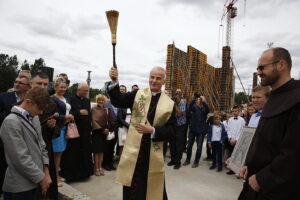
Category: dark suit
<point>110,144</point>
<point>7,100</point>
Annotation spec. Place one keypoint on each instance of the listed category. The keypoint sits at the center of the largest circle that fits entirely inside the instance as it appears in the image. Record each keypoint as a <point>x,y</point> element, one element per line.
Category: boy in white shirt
<point>234,129</point>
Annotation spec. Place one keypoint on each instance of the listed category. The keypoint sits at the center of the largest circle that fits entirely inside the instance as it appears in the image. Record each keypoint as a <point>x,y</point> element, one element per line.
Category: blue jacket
<point>223,135</point>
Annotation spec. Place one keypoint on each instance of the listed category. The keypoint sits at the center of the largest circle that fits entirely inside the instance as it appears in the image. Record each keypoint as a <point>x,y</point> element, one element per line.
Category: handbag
<point>72,131</point>
<point>111,134</point>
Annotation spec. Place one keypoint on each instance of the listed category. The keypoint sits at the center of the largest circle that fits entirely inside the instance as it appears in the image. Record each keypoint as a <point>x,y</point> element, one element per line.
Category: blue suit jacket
<point>223,135</point>
<point>7,100</point>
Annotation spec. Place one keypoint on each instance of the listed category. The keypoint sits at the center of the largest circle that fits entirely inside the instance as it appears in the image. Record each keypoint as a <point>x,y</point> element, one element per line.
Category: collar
<point>25,113</point>
<point>17,97</point>
<point>155,93</point>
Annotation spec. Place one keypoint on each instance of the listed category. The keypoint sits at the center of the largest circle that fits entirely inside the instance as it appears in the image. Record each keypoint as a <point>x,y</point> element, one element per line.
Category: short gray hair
<point>160,69</point>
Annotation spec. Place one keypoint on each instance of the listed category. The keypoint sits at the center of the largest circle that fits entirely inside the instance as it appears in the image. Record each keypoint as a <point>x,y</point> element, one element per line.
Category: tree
<point>93,93</point>
<point>25,65</point>
<point>73,88</point>
<point>8,71</point>
<point>37,65</point>
<point>241,98</point>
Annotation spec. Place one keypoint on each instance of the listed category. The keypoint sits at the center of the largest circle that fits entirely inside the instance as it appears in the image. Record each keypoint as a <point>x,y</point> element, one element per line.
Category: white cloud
<point>73,35</point>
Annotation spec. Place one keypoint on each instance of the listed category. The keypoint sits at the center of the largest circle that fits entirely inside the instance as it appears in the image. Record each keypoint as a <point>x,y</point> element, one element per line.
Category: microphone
<point>54,116</point>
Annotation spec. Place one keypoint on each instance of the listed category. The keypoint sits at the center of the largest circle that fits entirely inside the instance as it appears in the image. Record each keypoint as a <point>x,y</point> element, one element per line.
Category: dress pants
<point>109,152</point>
<point>217,153</point>
<point>27,195</point>
<point>180,143</point>
<point>199,139</point>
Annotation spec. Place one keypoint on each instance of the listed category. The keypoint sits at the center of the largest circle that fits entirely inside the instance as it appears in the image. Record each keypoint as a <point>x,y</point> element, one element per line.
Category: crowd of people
<point>138,127</point>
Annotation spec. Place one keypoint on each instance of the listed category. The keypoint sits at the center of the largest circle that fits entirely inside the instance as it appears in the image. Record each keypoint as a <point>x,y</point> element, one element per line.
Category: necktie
<point>235,118</point>
<point>258,114</point>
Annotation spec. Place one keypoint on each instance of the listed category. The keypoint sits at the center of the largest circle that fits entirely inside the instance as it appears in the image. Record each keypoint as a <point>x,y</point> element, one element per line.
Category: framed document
<point>238,156</point>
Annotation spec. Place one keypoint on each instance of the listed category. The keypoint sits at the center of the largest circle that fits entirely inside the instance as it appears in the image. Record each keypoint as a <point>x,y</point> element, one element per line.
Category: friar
<point>273,162</point>
<point>141,167</point>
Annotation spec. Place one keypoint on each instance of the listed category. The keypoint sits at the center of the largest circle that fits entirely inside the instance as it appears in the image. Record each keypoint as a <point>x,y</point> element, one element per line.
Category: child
<point>234,129</point>
<point>216,138</point>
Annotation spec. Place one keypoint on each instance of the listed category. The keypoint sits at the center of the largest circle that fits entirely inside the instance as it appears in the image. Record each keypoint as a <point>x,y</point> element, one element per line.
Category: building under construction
<point>190,72</point>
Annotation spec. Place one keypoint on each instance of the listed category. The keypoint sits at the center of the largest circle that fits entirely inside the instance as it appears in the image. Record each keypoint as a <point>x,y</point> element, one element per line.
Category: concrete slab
<point>184,184</point>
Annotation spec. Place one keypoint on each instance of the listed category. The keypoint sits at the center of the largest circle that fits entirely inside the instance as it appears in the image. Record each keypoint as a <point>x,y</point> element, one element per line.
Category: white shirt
<point>254,119</point>
<point>235,127</point>
<point>216,133</point>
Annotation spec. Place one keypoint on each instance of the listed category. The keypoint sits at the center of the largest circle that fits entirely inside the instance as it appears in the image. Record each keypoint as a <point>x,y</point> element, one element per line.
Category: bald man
<point>76,163</point>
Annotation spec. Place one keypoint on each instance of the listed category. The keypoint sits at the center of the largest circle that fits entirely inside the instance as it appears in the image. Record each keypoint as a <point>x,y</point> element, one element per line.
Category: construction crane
<point>231,12</point>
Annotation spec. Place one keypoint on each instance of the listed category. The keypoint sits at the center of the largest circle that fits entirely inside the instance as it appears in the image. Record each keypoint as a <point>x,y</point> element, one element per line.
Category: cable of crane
<point>239,77</point>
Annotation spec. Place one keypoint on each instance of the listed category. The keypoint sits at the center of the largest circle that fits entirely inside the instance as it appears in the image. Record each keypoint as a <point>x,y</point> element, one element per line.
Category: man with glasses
<point>272,164</point>
<point>7,100</point>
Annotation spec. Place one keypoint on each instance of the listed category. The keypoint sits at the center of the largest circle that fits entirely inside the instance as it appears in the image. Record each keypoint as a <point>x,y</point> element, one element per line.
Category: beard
<point>269,80</point>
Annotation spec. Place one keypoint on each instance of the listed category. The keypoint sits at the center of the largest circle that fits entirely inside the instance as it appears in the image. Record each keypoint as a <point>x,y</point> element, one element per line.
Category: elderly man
<point>273,163</point>
<point>260,95</point>
<point>141,168</point>
<point>76,163</point>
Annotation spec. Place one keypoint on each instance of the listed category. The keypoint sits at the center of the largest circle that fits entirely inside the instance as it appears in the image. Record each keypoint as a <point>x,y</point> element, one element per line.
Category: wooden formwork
<point>191,73</point>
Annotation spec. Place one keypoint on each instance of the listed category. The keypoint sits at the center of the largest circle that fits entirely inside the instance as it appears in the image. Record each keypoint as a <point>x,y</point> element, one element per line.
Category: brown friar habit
<point>138,189</point>
<point>274,154</point>
<point>76,161</point>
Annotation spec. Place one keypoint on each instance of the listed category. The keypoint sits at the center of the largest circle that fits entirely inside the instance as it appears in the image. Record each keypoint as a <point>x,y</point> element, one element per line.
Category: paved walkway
<point>184,184</point>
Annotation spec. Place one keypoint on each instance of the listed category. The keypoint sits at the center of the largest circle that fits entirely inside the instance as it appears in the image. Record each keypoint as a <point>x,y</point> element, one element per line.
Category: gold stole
<point>156,175</point>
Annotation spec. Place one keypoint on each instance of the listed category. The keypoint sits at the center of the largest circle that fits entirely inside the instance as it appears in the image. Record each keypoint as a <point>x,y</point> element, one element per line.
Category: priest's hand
<point>84,112</point>
<point>113,74</point>
<point>144,128</point>
<point>253,183</point>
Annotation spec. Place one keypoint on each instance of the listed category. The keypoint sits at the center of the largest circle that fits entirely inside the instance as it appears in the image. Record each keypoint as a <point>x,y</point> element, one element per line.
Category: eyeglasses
<point>19,82</point>
<point>261,67</point>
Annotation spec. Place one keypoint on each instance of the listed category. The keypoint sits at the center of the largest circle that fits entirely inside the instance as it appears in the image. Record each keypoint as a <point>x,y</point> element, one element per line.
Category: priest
<point>141,167</point>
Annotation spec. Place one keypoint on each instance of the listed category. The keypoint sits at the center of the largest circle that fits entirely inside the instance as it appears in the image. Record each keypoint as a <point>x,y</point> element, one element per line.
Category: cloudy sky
<point>73,36</point>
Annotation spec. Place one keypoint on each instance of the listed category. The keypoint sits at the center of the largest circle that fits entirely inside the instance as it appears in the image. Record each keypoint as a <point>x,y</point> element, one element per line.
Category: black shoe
<point>177,166</point>
<point>208,159</point>
<point>186,163</point>
<point>171,163</point>
<point>112,167</point>
<point>212,167</point>
<point>219,169</point>
<point>195,164</point>
<point>230,172</point>
<point>107,168</point>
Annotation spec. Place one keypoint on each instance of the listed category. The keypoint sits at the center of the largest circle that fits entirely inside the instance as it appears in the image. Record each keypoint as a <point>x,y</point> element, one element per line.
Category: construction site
<point>190,72</point>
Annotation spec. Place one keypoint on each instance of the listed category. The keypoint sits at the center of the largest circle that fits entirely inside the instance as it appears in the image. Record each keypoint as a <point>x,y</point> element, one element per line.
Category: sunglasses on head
<point>261,67</point>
